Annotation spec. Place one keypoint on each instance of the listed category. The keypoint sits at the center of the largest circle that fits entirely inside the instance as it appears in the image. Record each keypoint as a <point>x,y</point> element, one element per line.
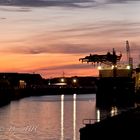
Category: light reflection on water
<point>74,117</point>
<point>49,117</point>
<point>62,117</point>
<point>98,115</point>
<point>46,117</point>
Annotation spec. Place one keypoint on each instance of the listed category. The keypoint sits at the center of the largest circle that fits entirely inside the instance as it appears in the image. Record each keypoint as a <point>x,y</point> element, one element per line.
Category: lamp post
<point>62,80</point>
<point>74,82</point>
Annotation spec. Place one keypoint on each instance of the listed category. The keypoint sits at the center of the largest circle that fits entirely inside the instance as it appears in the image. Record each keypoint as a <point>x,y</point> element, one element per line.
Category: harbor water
<point>46,117</point>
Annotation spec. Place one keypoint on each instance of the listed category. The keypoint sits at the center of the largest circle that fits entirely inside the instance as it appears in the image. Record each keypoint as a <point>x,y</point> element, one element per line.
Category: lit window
<point>128,67</point>
<point>99,67</point>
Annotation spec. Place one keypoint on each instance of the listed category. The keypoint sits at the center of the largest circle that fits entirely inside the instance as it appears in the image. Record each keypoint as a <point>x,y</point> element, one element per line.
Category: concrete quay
<point>124,125</point>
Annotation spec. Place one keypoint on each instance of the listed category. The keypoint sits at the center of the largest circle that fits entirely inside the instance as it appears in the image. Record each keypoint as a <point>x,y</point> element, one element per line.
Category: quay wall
<point>124,125</point>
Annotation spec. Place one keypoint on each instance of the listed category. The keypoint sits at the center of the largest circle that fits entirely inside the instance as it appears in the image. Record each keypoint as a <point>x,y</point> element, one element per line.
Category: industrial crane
<point>108,59</point>
<point>111,59</point>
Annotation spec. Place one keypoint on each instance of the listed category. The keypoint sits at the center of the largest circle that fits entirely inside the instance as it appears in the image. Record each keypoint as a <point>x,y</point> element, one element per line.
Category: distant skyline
<point>49,36</point>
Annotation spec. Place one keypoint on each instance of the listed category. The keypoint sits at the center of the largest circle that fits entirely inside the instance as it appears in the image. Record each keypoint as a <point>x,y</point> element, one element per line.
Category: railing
<point>90,121</point>
<point>113,112</point>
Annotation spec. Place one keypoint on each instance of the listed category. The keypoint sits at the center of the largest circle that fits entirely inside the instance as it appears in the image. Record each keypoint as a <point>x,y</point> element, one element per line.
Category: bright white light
<point>74,80</point>
<point>74,116</point>
<point>99,67</point>
<point>128,67</point>
<point>98,115</point>
<point>62,80</point>
<point>74,96</point>
<point>114,111</point>
<point>62,117</point>
<point>112,66</point>
<point>62,97</point>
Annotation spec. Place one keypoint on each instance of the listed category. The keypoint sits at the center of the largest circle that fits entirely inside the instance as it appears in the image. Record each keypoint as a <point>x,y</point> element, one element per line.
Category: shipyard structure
<point>117,83</point>
<point>118,86</point>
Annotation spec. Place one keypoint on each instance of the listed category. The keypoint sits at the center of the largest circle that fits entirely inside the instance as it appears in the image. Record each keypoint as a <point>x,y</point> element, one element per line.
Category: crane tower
<point>129,58</point>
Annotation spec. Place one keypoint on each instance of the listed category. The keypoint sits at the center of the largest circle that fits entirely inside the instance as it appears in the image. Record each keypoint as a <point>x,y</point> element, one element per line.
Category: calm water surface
<point>47,117</point>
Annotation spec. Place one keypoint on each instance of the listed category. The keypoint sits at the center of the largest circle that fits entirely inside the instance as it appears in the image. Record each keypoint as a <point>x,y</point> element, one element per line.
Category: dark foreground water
<point>49,117</point>
<point>46,117</point>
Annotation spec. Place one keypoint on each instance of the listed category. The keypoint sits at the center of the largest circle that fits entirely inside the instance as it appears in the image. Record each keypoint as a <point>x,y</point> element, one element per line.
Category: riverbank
<point>9,94</point>
<point>123,125</point>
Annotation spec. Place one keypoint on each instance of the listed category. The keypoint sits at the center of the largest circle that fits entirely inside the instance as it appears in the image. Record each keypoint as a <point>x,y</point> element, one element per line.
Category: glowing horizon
<point>49,37</point>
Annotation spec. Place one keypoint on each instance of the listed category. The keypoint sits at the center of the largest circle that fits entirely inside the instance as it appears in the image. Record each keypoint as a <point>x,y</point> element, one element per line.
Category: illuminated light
<point>112,66</point>
<point>74,116</point>
<point>99,67</point>
<point>114,111</point>
<point>98,115</point>
<point>74,96</point>
<point>74,81</point>
<point>22,84</point>
<point>62,80</point>
<point>128,67</point>
<point>62,117</point>
<point>62,97</point>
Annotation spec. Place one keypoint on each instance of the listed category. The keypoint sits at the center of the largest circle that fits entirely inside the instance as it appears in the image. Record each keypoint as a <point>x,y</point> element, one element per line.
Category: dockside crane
<point>110,59</point>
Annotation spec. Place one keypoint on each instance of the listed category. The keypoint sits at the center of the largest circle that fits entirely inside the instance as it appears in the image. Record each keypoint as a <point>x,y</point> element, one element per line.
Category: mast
<point>129,58</point>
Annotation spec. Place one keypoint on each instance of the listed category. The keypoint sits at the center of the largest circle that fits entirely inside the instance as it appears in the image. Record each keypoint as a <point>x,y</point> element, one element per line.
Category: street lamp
<point>128,67</point>
<point>74,80</point>
<point>99,67</point>
<point>62,80</point>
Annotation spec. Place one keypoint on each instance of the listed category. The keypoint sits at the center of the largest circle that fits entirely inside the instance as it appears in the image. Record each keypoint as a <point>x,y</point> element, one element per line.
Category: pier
<point>120,126</point>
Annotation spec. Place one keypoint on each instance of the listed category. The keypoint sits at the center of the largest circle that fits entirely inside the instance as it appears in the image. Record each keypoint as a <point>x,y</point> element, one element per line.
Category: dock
<point>124,125</point>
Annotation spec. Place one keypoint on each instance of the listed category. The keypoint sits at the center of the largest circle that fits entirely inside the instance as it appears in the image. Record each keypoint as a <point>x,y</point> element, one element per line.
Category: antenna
<point>63,74</point>
<point>127,51</point>
<point>129,58</point>
<point>139,63</point>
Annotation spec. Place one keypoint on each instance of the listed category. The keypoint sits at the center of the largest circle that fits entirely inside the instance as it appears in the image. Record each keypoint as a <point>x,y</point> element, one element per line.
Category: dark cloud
<point>71,66</point>
<point>114,1</point>
<point>104,25</point>
<point>15,9</point>
<point>2,18</point>
<point>42,3</point>
<point>57,48</point>
<point>119,29</point>
<point>62,3</point>
<point>87,27</point>
<point>119,1</point>
<point>113,29</point>
<point>71,48</point>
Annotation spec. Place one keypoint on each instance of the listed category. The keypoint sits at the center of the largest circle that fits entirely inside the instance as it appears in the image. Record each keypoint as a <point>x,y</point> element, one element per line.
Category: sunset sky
<point>49,36</point>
